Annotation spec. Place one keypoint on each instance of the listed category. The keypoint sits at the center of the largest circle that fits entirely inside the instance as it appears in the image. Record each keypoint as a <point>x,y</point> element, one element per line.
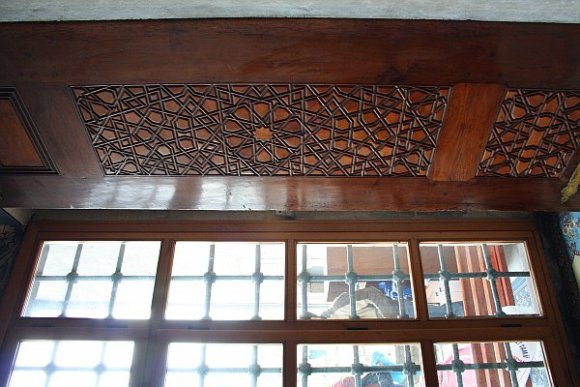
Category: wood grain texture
<point>16,148</point>
<point>284,193</point>
<point>314,130</point>
<point>285,50</point>
<point>44,59</point>
<point>469,119</point>
<point>61,129</point>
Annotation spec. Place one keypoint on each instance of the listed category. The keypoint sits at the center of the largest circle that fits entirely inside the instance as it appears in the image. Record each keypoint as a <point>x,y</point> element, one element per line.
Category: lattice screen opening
<point>478,279</point>
<point>227,281</point>
<point>72,363</point>
<point>94,280</point>
<point>360,281</point>
<point>514,364</point>
<point>359,365</point>
<point>224,364</point>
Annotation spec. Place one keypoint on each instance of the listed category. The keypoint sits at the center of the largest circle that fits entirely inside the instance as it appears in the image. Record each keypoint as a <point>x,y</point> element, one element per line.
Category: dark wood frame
<point>478,60</point>
<point>152,336</point>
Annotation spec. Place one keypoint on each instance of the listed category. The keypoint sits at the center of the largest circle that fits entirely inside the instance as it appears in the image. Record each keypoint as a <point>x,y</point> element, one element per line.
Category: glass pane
<point>72,363</point>
<point>94,280</point>
<point>337,365</point>
<point>491,364</point>
<point>199,364</point>
<point>354,281</point>
<point>478,279</point>
<point>227,281</point>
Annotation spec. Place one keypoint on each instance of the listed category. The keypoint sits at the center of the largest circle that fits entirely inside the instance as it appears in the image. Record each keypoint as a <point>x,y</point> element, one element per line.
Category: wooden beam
<point>425,53</point>
<point>284,193</point>
<point>470,115</point>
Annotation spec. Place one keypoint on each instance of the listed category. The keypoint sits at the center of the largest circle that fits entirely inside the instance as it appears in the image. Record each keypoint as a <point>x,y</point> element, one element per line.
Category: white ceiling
<point>565,11</point>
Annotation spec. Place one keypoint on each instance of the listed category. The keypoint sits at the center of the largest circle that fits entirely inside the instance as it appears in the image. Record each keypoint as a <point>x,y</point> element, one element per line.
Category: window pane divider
<point>290,363</point>
<point>291,283</point>
<point>150,353</point>
<point>416,270</point>
<point>429,363</point>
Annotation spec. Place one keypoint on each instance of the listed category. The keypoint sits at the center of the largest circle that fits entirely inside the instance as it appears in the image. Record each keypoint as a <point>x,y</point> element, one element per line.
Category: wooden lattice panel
<point>263,130</point>
<point>535,135</point>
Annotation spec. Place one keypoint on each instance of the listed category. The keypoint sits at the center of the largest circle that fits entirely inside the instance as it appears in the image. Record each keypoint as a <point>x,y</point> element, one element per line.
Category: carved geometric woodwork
<point>21,151</point>
<point>263,129</point>
<point>535,135</point>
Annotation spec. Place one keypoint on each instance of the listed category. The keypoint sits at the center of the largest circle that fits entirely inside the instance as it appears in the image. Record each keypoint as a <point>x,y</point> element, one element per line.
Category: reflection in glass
<point>519,363</point>
<point>478,279</point>
<point>354,281</point>
<point>338,365</point>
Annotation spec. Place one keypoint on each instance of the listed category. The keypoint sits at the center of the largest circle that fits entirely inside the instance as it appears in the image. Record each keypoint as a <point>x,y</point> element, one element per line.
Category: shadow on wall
<point>11,234</point>
<point>570,224</point>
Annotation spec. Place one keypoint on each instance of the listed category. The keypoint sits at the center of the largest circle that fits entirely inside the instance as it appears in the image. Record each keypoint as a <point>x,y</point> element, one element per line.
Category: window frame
<point>152,336</point>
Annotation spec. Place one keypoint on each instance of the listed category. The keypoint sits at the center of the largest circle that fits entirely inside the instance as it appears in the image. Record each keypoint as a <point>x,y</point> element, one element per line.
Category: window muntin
<point>354,281</point>
<point>359,365</point>
<point>72,363</point>
<point>478,279</point>
<point>223,364</point>
<point>94,280</point>
<point>227,281</point>
<point>516,363</point>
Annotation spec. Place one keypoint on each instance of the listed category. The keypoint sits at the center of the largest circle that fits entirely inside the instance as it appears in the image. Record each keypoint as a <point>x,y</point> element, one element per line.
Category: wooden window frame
<point>152,336</point>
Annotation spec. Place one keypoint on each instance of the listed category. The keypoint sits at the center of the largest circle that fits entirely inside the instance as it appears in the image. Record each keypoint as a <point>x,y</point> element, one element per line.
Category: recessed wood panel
<point>16,148</point>
<point>536,134</point>
<point>263,129</point>
<point>20,148</point>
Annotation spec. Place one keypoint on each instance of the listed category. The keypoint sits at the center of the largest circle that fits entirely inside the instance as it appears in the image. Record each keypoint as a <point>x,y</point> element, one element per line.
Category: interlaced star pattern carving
<point>263,129</point>
<point>535,135</point>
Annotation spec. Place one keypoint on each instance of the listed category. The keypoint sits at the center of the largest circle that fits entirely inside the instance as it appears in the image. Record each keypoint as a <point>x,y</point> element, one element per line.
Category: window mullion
<point>291,281</point>
<point>429,363</point>
<point>416,269</point>
<point>290,362</point>
<point>148,359</point>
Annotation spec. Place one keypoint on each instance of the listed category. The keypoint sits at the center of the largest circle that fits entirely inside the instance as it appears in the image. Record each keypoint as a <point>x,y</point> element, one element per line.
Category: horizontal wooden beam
<point>284,193</point>
<point>468,121</point>
<point>286,50</point>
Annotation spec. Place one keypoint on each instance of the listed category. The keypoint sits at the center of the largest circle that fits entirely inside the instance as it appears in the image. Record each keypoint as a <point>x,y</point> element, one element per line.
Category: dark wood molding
<point>43,61</point>
<point>285,193</point>
<point>23,139</point>
<point>424,53</point>
<point>62,130</point>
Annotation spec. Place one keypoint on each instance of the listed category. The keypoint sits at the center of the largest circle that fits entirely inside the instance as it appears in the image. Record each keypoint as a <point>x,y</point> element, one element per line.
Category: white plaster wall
<point>566,11</point>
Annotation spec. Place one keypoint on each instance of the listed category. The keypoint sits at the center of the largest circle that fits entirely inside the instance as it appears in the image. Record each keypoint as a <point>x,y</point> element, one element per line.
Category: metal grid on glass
<point>94,280</point>
<point>227,281</point>
<point>380,288</point>
<point>359,365</point>
<point>485,280</point>
<point>72,363</point>
<point>492,363</point>
<point>224,364</point>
